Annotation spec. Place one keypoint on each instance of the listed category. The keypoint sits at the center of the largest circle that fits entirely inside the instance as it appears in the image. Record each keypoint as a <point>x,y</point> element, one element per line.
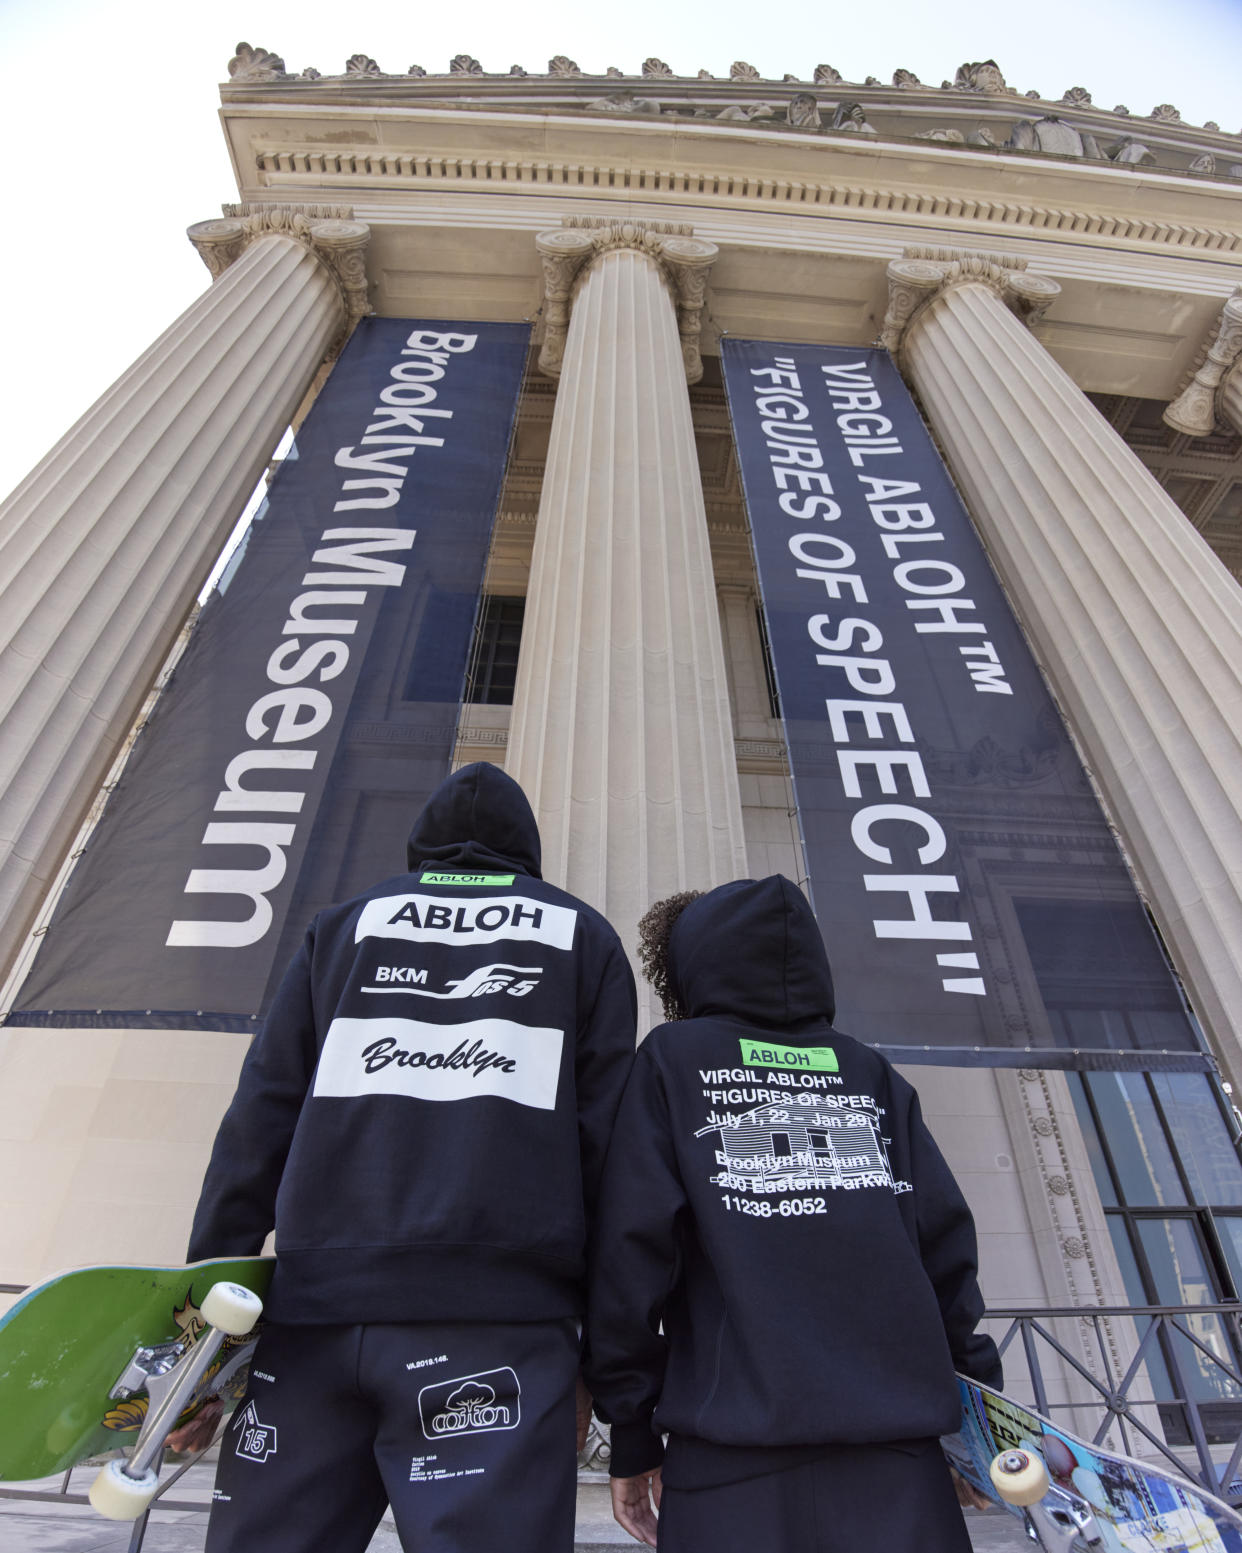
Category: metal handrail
<point>1156,1326</point>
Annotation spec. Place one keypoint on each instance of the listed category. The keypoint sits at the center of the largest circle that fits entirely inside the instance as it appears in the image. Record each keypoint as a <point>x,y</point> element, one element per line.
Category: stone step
<point>35,1527</point>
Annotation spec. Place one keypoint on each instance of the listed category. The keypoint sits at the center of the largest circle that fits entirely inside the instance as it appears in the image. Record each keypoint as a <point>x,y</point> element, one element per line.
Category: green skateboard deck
<point>66,1344</point>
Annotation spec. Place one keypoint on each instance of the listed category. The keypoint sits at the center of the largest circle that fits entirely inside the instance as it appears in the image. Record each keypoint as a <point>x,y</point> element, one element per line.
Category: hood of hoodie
<point>752,950</point>
<point>477,819</point>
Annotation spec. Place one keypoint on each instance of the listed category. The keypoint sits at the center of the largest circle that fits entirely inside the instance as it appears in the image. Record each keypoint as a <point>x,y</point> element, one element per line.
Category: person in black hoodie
<point>422,1120</point>
<point>784,1270</point>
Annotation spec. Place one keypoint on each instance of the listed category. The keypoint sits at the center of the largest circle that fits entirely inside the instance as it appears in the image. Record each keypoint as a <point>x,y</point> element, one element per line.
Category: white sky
<point>112,147</point>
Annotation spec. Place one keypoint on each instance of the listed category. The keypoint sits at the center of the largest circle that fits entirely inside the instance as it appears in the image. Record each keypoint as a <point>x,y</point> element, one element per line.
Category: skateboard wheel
<point>231,1309</point>
<point>120,1497</point>
<point>1019,1477</point>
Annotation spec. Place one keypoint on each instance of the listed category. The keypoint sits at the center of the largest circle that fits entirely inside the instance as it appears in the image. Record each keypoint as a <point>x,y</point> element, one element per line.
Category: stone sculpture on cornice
<point>1129,152</point>
<point>850,116</point>
<point>361,65</point>
<point>803,112</point>
<point>980,76</point>
<point>624,102</point>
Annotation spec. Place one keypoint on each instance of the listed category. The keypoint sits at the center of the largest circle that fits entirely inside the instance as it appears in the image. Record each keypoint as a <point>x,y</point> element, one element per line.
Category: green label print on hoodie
<point>486,881</point>
<point>812,1059</point>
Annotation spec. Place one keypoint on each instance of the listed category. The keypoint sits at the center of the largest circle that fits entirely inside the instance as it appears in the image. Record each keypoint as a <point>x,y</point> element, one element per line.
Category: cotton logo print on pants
<point>471,1404</point>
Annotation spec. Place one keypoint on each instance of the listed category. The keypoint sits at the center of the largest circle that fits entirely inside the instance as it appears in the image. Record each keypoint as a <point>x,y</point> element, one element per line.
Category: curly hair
<point>654,928</point>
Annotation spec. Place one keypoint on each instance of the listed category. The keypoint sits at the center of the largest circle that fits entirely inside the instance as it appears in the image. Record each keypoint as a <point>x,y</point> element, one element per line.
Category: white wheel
<point>1019,1477</point>
<point>120,1497</point>
<point>231,1309</point>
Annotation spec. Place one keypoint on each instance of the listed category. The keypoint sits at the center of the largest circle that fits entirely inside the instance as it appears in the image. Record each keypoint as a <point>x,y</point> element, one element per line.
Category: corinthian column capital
<point>683,260</point>
<point>1194,410</point>
<point>921,274</point>
<point>329,232</point>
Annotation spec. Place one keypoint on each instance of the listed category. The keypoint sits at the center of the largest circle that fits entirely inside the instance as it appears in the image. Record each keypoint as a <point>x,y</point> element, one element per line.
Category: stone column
<point>105,545</point>
<point>621,733</point>
<point>1136,622</point>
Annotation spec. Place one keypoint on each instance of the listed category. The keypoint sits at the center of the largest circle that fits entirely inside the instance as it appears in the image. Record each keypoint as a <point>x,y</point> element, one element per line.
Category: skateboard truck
<point>168,1373</point>
<point>1055,1518</point>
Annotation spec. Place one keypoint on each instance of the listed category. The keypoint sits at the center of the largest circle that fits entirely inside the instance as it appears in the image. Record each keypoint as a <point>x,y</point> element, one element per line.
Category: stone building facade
<point>1061,285</point>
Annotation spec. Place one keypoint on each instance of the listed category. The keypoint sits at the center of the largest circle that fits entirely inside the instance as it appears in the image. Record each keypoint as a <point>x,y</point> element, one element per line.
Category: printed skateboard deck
<point>66,1344</point>
<point>1137,1507</point>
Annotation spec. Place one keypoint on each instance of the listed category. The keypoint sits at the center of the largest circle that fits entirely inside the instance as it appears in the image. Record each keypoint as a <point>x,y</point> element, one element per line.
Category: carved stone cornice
<point>921,274</point>
<point>329,231</point>
<point>1193,412</point>
<point>567,253</point>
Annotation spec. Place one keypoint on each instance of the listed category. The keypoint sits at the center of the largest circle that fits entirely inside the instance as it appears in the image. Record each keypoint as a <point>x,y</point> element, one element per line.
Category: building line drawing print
<point>770,1148</point>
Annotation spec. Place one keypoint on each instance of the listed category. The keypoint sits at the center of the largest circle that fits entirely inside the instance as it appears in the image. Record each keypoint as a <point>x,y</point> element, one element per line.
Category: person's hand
<point>582,1403</point>
<point>200,1431</point>
<point>632,1500</point>
<point>968,1496</point>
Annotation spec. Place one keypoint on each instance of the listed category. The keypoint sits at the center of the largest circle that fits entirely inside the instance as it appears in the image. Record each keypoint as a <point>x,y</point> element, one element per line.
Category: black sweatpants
<point>896,1498</point>
<point>467,1430</point>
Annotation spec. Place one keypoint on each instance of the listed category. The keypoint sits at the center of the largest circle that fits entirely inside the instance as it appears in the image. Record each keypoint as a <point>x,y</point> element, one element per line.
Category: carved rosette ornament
<point>1193,412</point>
<point>655,66</point>
<point>361,65</point>
<point>563,65</point>
<point>827,75</point>
<point>567,253</point>
<point>917,277</point>
<point>739,70</point>
<point>334,237</point>
<point>464,64</point>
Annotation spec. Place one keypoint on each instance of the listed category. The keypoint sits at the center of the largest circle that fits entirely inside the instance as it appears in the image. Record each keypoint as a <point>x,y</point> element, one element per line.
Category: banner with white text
<point>971,895</point>
<point>315,707</point>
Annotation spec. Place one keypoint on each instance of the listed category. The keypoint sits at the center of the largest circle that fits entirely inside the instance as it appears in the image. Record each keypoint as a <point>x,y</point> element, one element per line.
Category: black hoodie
<point>424,1115</point>
<point>773,1196</point>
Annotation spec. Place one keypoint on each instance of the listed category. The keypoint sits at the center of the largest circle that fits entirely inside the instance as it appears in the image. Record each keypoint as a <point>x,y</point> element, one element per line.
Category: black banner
<point>315,707</point>
<point>969,890</point>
